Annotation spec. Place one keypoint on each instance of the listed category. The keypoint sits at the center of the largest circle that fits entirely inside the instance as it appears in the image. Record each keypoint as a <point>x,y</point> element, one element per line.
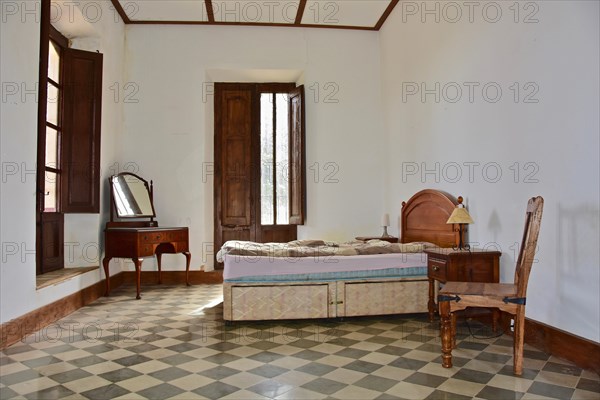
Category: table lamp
<point>385,222</point>
<point>460,216</point>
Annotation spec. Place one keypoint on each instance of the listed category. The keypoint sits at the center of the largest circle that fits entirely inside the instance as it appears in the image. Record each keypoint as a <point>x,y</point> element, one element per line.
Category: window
<point>52,172</point>
<point>274,158</point>
<point>68,160</point>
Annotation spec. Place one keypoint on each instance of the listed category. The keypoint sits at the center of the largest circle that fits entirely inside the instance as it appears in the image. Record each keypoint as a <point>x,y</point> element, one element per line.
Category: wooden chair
<point>507,297</point>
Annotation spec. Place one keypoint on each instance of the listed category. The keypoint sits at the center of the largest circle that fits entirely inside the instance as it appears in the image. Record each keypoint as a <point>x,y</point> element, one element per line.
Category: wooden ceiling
<point>336,14</point>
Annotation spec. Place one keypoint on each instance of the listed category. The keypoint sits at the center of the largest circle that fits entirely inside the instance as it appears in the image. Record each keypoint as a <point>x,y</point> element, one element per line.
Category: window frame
<point>288,89</point>
<point>275,166</point>
<point>62,43</point>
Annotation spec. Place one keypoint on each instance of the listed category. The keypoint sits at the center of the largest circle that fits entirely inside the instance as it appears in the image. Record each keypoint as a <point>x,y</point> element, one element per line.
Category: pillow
<point>426,245</point>
<point>307,243</point>
<point>374,249</point>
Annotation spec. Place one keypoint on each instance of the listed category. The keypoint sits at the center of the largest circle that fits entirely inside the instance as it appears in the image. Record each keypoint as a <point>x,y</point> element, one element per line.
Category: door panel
<point>233,171</point>
<point>236,134</point>
<point>52,238</point>
<point>235,234</point>
<point>235,187</point>
<point>279,234</point>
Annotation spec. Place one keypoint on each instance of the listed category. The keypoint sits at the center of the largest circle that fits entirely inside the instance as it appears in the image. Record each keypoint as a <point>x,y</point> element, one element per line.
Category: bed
<point>317,282</point>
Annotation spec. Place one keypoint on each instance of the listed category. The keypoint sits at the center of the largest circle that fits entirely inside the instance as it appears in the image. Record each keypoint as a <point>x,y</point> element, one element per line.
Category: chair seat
<point>480,289</point>
<point>480,294</point>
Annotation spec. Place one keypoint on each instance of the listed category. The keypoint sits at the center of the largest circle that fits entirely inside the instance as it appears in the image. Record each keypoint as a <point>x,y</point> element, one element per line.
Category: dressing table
<point>139,235</point>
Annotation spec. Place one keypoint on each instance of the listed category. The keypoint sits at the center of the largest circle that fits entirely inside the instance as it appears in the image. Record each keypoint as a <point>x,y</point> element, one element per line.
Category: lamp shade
<point>460,215</point>
<point>385,220</point>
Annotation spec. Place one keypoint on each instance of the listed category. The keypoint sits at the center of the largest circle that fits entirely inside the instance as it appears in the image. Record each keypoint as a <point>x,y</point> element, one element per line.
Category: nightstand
<point>390,239</point>
<point>475,265</point>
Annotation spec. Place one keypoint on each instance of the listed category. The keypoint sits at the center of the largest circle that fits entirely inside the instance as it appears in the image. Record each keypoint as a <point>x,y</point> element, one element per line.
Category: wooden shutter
<point>297,157</point>
<point>52,241</point>
<point>80,151</point>
<point>234,141</point>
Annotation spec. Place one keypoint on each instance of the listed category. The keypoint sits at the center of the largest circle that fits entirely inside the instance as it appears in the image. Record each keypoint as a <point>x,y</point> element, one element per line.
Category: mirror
<point>131,196</point>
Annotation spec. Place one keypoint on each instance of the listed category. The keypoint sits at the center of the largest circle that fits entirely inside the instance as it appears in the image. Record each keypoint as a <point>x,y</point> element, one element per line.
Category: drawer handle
<point>436,268</point>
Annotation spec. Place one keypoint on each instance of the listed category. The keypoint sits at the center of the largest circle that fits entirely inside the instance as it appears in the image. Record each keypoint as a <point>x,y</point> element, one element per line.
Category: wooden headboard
<point>424,219</point>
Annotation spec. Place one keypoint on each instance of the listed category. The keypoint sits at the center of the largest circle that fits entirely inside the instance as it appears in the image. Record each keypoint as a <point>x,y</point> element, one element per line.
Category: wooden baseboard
<point>18,328</point>
<point>582,352</point>
<point>173,277</point>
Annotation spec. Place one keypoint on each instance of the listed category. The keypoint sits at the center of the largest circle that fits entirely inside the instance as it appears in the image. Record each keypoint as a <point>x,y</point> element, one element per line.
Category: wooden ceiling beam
<point>300,14</point>
<point>385,14</point>
<point>209,10</point>
<point>117,5</point>
<point>297,22</point>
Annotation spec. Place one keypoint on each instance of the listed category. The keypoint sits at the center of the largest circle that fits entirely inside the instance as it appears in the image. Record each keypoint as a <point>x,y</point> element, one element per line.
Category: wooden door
<point>234,190</point>
<point>237,186</point>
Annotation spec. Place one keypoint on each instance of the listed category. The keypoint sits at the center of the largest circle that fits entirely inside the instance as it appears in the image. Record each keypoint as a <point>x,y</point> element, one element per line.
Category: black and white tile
<point>174,344</point>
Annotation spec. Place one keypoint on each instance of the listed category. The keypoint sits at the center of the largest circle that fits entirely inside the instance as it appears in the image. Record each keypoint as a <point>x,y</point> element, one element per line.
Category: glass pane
<point>266,159</point>
<point>50,191</point>
<point>51,147</point>
<point>52,103</point>
<point>54,62</point>
<point>282,158</point>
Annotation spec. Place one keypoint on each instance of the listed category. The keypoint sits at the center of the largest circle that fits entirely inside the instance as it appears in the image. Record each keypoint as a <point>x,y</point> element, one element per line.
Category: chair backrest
<point>533,219</point>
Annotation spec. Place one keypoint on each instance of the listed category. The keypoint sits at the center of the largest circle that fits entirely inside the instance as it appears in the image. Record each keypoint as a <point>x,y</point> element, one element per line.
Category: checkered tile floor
<point>173,344</point>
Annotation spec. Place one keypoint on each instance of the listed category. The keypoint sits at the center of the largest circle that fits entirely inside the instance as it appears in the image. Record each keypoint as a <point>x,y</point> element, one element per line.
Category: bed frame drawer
<point>323,299</point>
<point>260,302</point>
<point>383,297</point>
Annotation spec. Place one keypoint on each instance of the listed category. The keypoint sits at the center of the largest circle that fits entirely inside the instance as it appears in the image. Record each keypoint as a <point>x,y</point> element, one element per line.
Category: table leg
<point>158,259</point>
<point>105,263</point>
<point>446,334</point>
<point>188,258</point>
<point>138,275</point>
<point>431,304</point>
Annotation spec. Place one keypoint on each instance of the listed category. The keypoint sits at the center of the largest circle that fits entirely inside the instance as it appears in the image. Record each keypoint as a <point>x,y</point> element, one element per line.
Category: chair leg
<point>495,319</point>
<point>519,337</point>
<point>446,333</point>
<point>453,327</point>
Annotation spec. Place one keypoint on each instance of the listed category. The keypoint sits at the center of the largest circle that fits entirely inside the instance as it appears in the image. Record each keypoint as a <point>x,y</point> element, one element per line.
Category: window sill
<point>61,275</point>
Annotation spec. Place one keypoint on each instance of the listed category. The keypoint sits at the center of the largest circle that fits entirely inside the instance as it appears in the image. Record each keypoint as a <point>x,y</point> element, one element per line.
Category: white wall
<point>18,119</point>
<point>96,29</point>
<point>553,143</point>
<point>169,131</point>
<point>164,97</point>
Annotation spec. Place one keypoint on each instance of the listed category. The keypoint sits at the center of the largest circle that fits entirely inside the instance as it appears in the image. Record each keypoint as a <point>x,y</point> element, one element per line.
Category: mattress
<point>279,269</point>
